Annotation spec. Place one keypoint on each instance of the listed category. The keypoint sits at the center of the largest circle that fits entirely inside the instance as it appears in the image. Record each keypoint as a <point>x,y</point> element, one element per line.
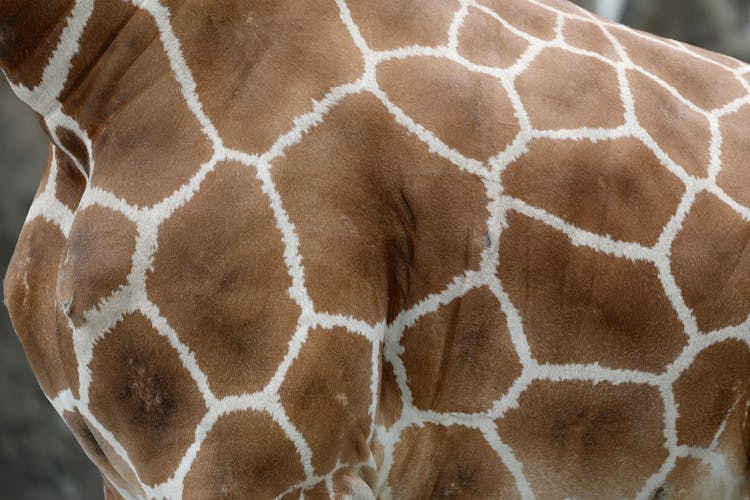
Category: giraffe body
<point>387,249</point>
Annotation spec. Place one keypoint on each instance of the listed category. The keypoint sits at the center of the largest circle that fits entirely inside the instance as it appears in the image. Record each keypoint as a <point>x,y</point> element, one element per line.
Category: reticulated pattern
<point>689,176</point>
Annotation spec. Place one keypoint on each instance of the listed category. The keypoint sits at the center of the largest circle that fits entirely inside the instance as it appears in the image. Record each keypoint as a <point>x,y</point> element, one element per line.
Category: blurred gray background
<point>39,459</point>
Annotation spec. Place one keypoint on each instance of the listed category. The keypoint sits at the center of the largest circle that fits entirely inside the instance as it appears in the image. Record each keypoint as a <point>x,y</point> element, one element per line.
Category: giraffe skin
<point>456,248</point>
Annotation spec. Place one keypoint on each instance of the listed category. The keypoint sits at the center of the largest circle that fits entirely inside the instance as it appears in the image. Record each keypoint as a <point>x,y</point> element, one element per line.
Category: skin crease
<point>407,289</point>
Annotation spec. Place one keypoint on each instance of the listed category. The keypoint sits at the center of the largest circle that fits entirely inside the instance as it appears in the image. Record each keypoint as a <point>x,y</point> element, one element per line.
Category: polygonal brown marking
<point>588,36</point>
<point>29,294</point>
<point>113,30</point>
<point>705,84</point>
<point>141,392</point>
<point>244,455</point>
<point>669,122</point>
<point>327,396</point>
<point>254,46</point>
<point>711,265</point>
<point>561,90</point>
<point>135,60</point>
<point>29,39</point>
<point>220,280</point>
<point>461,357</point>
<point>577,439</point>
<point>484,40</point>
<point>706,393</point>
<point>469,111</point>
<point>453,461</point>
<point>525,16</point>
<point>318,492</point>
<point>70,184</point>
<point>615,187</point>
<point>400,222</point>
<point>389,24</point>
<point>97,260</point>
<point>390,401</point>
<point>581,306</point>
<point>88,441</point>
<point>139,155</point>
<point>735,176</point>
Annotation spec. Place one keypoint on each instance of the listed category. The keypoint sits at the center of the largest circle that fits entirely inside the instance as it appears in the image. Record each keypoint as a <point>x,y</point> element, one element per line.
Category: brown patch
<point>484,40</point>
<point>254,46</point>
<point>670,122</point>
<point>120,57</point>
<point>220,279</point>
<point>710,264</point>
<point>141,392</point>
<point>390,24</point>
<point>97,260</point>
<point>327,396</point>
<point>617,187</point>
<point>450,461</point>
<point>140,156</point>
<point>581,440</point>
<point>735,176</point>
<point>70,183</point>
<point>29,294</point>
<point>389,402</point>
<point>75,146</point>
<point>589,36</point>
<point>244,455</point>
<point>88,441</point>
<point>561,90</point>
<point>112,28</point>
<point>525,16</point>
<point>581,306</point>
<point>461,357</point>
<point>703,83</point>
<point>717,380</point>
<point>29,38</point>
<point>390,208</point>
<point>469,111</point>
<point>318,492</point>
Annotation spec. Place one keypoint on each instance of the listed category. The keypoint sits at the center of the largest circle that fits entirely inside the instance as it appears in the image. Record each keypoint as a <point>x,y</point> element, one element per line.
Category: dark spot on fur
<point>659,494</point>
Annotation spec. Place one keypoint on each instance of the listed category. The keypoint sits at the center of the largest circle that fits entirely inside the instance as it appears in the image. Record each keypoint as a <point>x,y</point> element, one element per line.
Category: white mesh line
<point>99,320</point>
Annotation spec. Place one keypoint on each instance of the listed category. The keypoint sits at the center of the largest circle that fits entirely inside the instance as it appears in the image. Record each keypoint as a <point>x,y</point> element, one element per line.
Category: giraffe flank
<point>394,249</point>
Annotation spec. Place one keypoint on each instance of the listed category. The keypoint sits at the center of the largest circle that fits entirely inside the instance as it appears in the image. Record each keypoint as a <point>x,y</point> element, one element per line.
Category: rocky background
<point>39,459</point>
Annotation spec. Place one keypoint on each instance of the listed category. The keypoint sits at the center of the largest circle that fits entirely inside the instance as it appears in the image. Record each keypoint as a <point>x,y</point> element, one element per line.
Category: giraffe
<point>353,249</point>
